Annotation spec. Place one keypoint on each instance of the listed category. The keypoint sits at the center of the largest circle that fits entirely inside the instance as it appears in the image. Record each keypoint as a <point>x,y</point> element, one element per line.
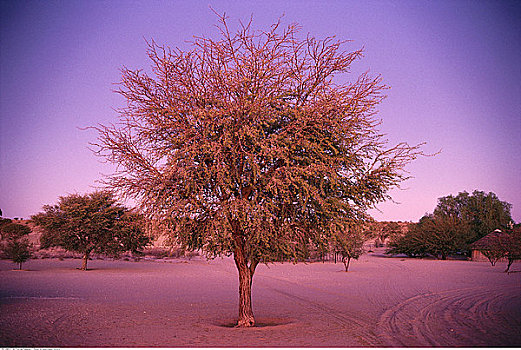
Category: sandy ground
<point>380,302</point>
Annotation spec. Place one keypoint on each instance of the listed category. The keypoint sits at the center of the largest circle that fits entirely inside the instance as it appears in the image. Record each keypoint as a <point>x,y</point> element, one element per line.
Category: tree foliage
<point>4,221</point>
<point>12,230</point>
<point>350,244</point>
<point>444,235</point>
<point>15,246</point>
<point>483,212</point>
<point>501,244</point>
<point>383,231</point>
<point>411,243</point>
<point>456,222</point>
<point>91,223</point>
<point>493,246</point>
<point>494,253</point>
<point>248,145</point>
<point>17,249</point>
<point>436,235</point>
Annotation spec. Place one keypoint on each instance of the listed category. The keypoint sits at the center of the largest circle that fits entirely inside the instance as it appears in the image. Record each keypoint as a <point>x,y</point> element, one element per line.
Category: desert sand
<point>381,302</point>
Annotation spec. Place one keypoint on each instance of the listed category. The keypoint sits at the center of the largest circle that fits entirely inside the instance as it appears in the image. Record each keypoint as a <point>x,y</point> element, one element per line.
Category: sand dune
<point>381,302</point>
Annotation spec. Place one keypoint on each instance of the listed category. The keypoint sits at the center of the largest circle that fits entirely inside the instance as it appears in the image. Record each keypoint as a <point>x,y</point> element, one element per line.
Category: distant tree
<point>501,244</point>
<point>91,223</point>
<point>483,212</point>
<point>15,246</point>
<point>456,222</point>
<point>249,146</point>
<point>17,249</point>
<point>412,243</point>
<point>444,235</point>
<point>14,230</point>
<point>130,234</point>
<point>438,236</point>
<point>4,221</point>
<point>387,230</point>
<point>349,244</point>
<point>493,246</point>
<point>493,254</point>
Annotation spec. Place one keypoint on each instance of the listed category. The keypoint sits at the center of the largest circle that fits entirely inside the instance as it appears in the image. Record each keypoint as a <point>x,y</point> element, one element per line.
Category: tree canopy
<point>15,245</point>
<point>250,145</point>
<point>4,221</point>
<point>484,212</point>
<point>18,250</point>
<point>350,245</point>
<point>13,230</point>
<point>91,223</point>
<point>384,230</point>
<point>501,244</point>
<point>493,246</point>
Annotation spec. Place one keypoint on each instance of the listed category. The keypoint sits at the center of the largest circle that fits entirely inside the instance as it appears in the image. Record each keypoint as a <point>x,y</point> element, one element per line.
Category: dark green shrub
<point>17,250</point>
<point>14,230</point>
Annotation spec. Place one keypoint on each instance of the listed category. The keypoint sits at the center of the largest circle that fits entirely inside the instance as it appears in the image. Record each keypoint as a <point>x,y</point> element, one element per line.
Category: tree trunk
<point>510,261</point>
<point>84,262</point>
<point>346,263</point>
<point>19,266</point>
<point>246,318</point>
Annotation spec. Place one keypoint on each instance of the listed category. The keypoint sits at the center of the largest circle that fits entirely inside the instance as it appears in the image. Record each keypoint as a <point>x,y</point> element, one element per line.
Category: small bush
<point>156,252</point>
<point>17,250</point>
<point>173,252</point>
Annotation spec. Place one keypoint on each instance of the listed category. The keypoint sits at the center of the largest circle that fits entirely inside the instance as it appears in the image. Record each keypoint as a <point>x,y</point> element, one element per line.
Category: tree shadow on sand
<point>260,323</point>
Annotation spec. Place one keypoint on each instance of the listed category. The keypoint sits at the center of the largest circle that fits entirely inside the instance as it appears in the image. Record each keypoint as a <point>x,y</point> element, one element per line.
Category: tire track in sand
<point>353,323</point>
<point>460,317</point>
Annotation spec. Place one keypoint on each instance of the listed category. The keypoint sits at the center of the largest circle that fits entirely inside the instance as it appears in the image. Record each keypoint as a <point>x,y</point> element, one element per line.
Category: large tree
<point>251,145</point>
<point>437,235</point>
<point>443,235</point>
<point>484,212</point>
<point>91,223</point>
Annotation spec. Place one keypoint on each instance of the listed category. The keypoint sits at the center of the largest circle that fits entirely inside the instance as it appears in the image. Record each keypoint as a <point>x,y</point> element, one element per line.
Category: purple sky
<point>454,69</point>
